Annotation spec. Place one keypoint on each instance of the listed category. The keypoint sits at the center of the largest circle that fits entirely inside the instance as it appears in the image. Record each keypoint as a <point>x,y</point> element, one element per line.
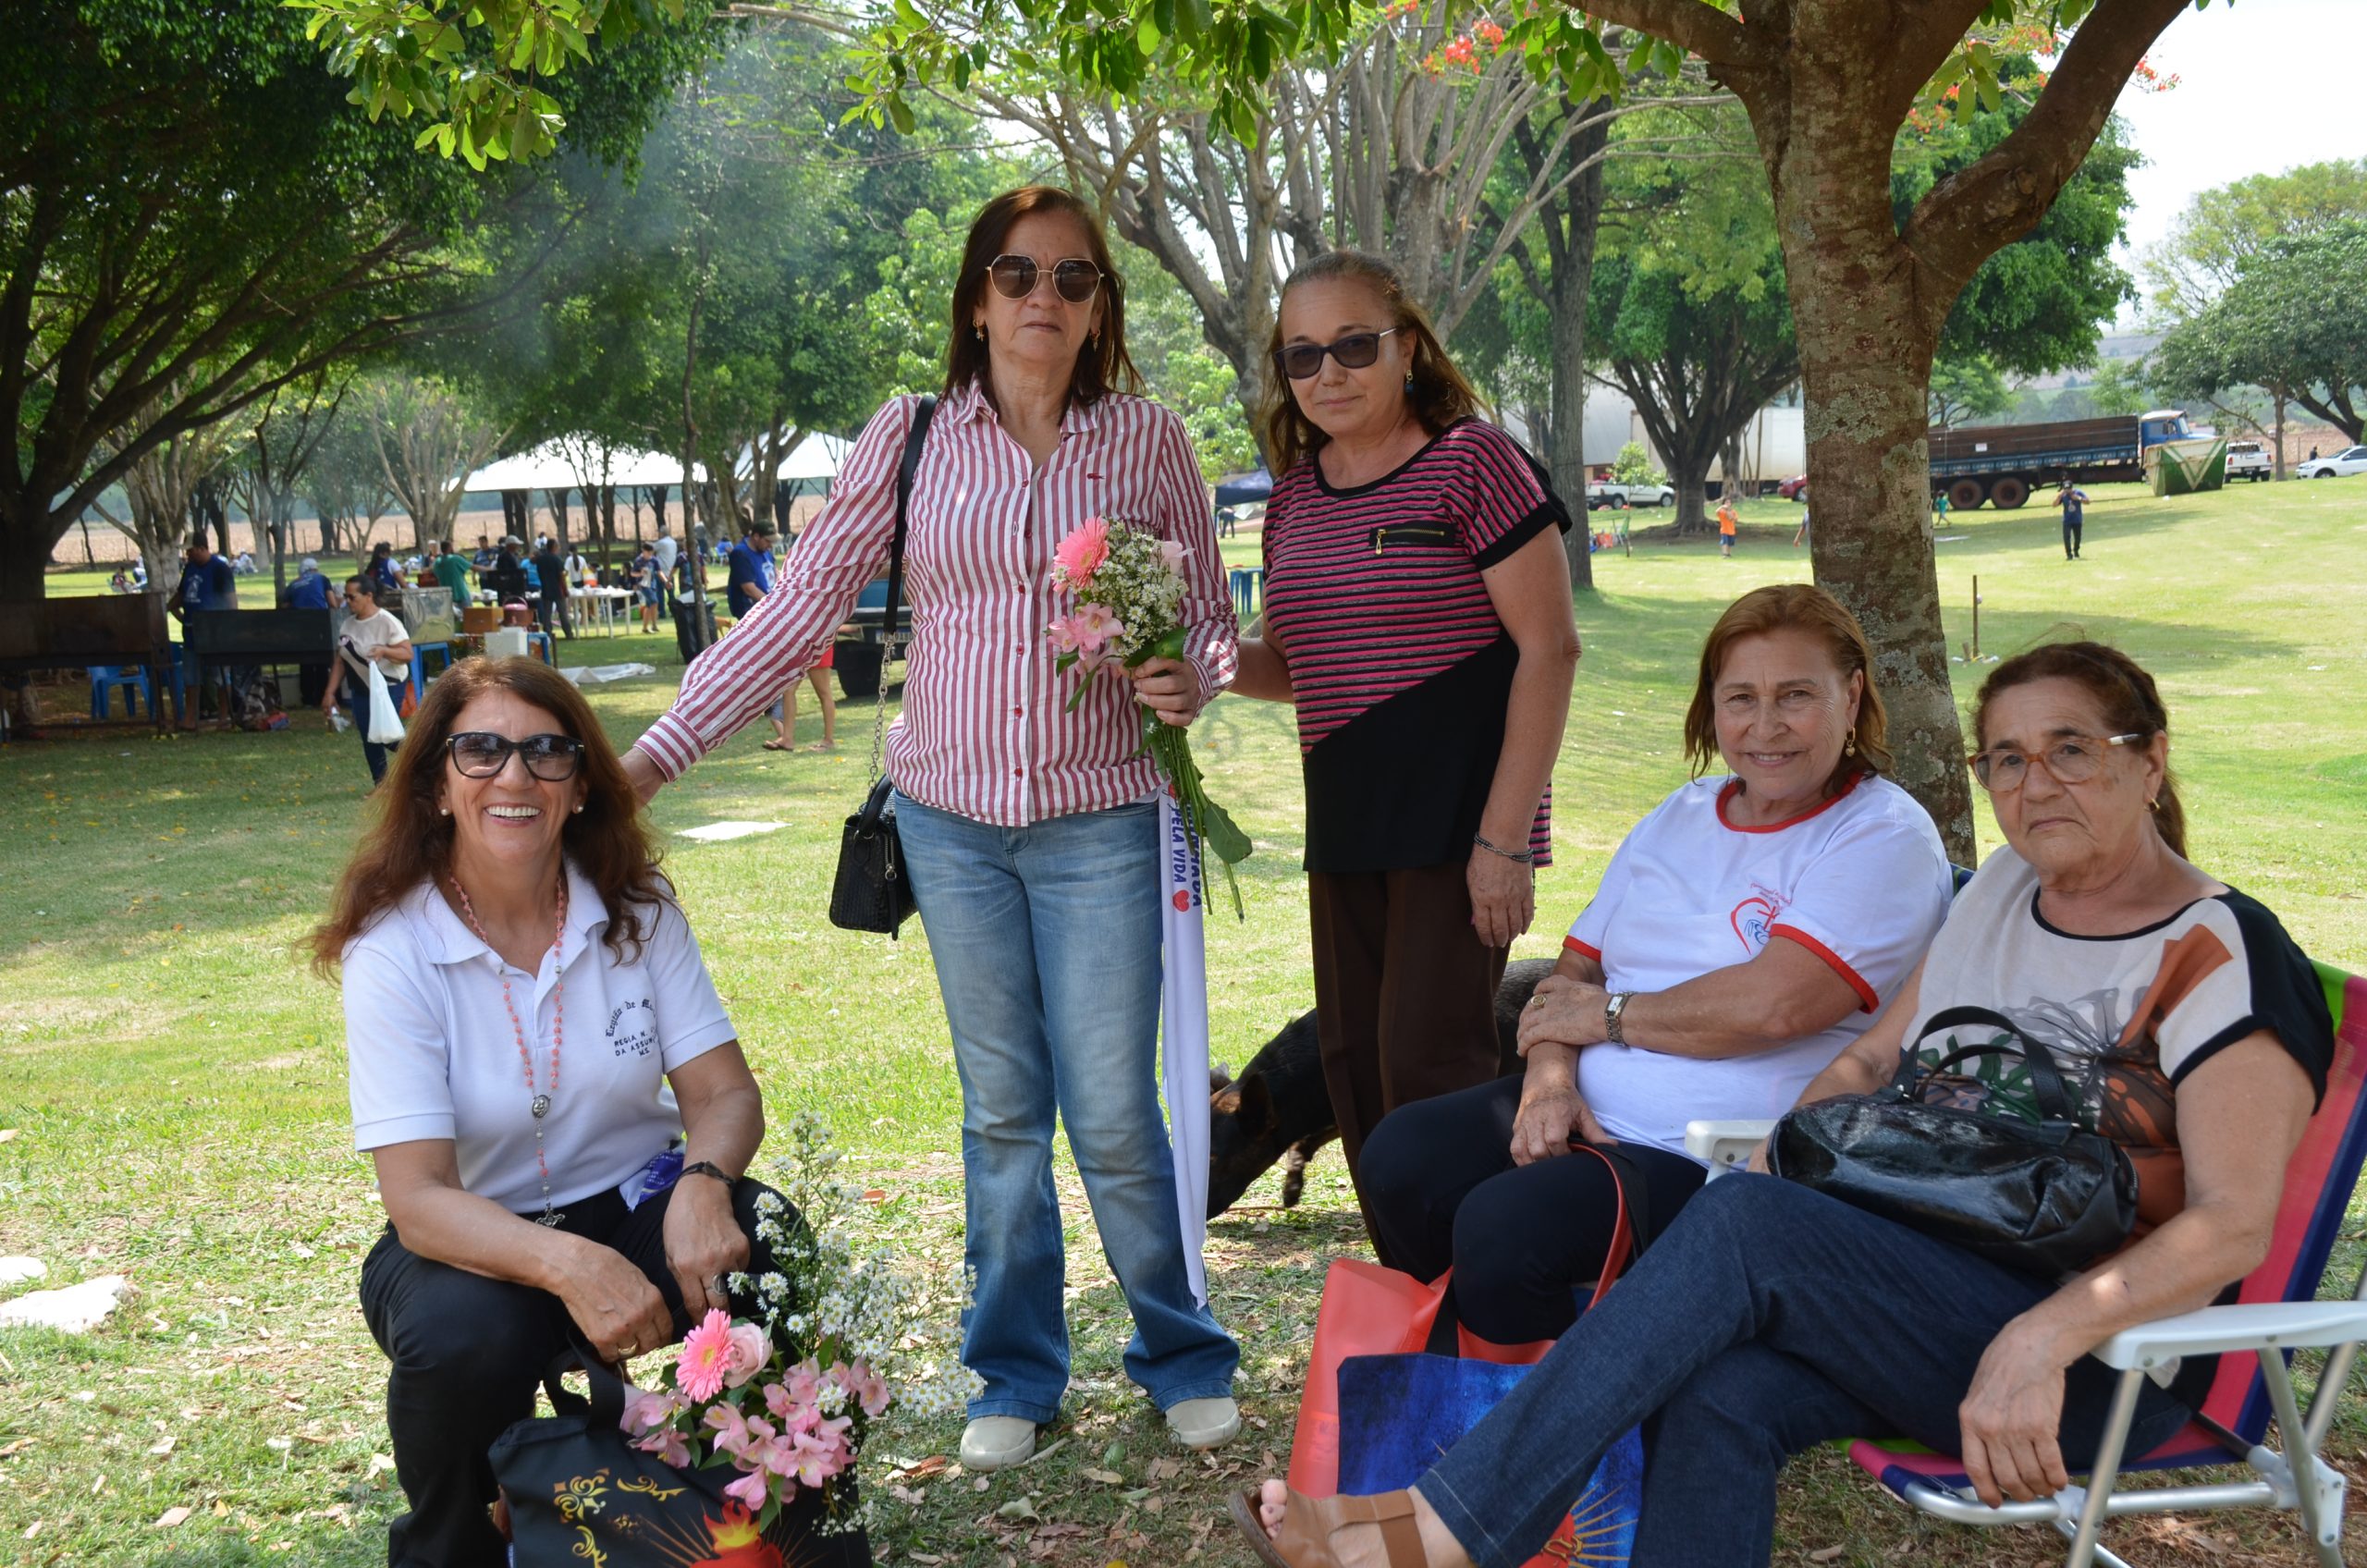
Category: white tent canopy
<point>551,466</point>
<point>816,457</point>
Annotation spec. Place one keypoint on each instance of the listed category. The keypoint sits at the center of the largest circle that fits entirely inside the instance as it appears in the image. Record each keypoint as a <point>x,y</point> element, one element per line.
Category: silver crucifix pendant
<point>550,1219</point>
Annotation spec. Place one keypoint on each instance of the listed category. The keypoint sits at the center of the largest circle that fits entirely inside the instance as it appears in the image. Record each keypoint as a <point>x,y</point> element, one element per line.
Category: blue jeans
<point>1767,1319</point>
<point>357,702</point>
<point>1046,944</point>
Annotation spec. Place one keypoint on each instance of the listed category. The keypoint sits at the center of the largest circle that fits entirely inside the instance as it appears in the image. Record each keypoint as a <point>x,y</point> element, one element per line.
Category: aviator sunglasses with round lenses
<point>1300,362</point>
<point>480,753</point>
<point>1073,279</point>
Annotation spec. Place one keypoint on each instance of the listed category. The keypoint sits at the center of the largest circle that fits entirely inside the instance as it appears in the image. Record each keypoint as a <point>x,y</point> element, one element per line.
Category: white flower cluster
<point>1143,585</point>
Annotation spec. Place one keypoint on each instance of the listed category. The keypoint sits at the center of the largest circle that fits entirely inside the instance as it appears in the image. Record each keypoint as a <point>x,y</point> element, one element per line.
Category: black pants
<point>1404,1000</point>
<point>2071,535</point>
<point>468,1355</point>
<point>1440,1180</point>
<point>357,699</point>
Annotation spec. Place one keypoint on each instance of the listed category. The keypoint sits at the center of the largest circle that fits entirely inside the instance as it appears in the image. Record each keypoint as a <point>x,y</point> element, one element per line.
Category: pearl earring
<point>578,808</point>
<point>443,811</point>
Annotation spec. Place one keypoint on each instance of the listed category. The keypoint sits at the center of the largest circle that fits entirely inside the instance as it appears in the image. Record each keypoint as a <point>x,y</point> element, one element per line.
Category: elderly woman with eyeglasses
<point>1771,1318</point>
<point>1418,618</point>
<point>1029,824</point>
<point>544,1075</point>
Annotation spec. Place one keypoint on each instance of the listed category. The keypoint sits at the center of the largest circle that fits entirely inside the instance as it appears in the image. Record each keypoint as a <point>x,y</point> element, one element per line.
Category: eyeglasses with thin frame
<point>2071,759</point>
<point>480,753</point>
<point>1014,277</point>
<point>1302,362</point>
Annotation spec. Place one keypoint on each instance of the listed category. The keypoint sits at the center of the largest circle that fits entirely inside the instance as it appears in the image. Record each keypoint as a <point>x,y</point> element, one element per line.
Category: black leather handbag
<point>574,1491</point>
<point>2048,1197</point>
<point>871,892</point>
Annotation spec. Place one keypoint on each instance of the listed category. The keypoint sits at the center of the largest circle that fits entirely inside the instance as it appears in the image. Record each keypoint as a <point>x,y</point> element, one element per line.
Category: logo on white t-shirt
<point>632,1028</point>
<point>1754,918</point>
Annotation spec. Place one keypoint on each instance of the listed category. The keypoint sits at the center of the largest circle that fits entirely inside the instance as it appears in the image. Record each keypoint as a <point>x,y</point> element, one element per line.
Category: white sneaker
<point>1204,1422</point>
<point>998,1442</point>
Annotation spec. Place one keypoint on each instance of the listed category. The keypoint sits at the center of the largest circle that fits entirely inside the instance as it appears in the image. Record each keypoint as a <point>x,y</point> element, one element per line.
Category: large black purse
<point>2048,1197</point>
<point>576,1492</point>
<point>871,892</point>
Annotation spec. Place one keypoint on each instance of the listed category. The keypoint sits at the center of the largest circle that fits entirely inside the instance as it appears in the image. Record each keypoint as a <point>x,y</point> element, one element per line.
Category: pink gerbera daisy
<point>706,1356</point>
<point>1080,555</point>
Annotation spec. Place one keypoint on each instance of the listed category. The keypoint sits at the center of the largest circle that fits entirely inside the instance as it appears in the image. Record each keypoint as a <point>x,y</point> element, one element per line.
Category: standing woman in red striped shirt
<point>1418,613</point>
<point>1029,832</point>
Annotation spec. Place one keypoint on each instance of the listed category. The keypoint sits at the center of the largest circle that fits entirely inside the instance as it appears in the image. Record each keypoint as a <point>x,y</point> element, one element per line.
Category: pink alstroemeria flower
<point>668,1445</point>
<point>1172,556</point>
<point>794,1417</point>
<point>1097,627</point>
<point>705,1356</point>
<point>1080,555</point>
<point>751,1490</point>
<point>645,1409</point>
<point>867,1388</point>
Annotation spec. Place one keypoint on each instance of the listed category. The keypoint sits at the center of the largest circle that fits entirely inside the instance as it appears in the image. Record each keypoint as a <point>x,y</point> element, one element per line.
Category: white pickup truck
<point>2247,460</point>
<point>1607,493</point>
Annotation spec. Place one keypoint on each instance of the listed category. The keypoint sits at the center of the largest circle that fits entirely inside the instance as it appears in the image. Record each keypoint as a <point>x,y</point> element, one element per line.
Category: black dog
<point>1277,1108</point>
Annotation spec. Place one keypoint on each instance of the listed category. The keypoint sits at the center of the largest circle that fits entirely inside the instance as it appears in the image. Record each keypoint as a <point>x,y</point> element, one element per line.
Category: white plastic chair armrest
<point>2212,1330</point>
<point>1724,1145</point>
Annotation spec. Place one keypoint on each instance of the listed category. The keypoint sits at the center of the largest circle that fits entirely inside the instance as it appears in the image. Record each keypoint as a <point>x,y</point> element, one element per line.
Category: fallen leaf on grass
<point>1107,1478</point>
<point>161,1447</point>
<point>6,1133</point>
<point>1825,1553</point>
<point>170,1517</point>
<point>379,1463</point>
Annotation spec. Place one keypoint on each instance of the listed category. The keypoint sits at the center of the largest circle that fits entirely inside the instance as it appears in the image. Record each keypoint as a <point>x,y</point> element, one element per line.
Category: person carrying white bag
<point>373,649</point>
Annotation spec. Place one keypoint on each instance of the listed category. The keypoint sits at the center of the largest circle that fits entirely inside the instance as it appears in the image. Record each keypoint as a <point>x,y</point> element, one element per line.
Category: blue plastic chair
<point>1246,582</point>
<point>105,678</point>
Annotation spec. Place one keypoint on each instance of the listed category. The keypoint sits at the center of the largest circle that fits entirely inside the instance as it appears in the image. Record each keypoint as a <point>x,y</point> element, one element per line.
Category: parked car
<point>2351,462</point>
<point>1790,489</point>
<point>2247,460</point>
<point>1634,495</point>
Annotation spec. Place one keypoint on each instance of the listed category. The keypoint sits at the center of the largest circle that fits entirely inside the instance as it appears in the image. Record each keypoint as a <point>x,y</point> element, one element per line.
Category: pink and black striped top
<point>1399,664</point>
<point>983,732</point>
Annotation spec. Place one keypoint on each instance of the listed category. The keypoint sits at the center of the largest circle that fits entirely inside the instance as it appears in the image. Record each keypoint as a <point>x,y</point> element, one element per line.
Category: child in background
<point>1728,520</point>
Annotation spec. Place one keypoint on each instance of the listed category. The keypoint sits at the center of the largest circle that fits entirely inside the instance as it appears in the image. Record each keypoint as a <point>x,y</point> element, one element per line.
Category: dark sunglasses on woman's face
<point>1300,362</point>
<point>480,753</point>
<point>1014,277</point>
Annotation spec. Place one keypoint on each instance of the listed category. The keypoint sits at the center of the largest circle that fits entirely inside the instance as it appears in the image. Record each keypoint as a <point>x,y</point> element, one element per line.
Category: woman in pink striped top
<point>1418,614</point>
<point>1029,831</point>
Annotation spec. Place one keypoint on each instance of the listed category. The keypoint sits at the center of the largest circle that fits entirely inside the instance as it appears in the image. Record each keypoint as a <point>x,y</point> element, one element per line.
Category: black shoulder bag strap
<point>923,409</point>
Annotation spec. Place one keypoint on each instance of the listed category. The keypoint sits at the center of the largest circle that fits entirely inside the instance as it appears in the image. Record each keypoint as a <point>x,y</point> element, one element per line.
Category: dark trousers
<point>1404,999</point>
<point>468,1355</point>
<point>1522,1238</point>
<point>357,702</point>
<point>2071,527</point>
<point>1767,1319</point>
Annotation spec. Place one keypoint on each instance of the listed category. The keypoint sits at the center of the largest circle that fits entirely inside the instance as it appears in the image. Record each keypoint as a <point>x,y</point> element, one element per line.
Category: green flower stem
<point>1170,746</point>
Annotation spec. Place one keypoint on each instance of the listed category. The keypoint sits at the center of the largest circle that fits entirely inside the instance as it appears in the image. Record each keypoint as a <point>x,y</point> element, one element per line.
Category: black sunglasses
<point>1014,277</point>
<point>1302,361</point>
<point>480,753</point>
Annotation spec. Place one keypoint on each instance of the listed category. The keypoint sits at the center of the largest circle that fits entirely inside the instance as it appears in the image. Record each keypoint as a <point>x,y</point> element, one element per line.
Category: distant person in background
<point>1940,508</point>
<point>752,570</point>
<point>668,550</point>
<point>486,554</point>
<point>2312,456</point>
<point>383,579</point>
<point>1801,537</point>
<point>207,586</point>
<point>120,582</point>
<point>311,591</point>
<point>374,646</point>
<point>1728,520</point>
<point>579,570</point>
<point>245,564</point>
<point>507,576</point>
<point>649,583</point>
<point>785,727</point>
<point>550,604</point>
<point>139,574</point>
<point>2074,502</point>
<point>452,571</point>
<point>1227,520</point>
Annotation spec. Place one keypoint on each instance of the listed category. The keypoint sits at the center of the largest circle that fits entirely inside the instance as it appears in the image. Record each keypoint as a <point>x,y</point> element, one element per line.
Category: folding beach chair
<point>2276,1313</point>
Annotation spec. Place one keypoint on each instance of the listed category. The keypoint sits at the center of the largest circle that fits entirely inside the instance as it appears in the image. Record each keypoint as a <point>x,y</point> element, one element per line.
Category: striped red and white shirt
<point>983,732</point>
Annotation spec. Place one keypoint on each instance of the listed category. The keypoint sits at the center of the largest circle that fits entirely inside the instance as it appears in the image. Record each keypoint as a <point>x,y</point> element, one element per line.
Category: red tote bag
<point>1369,1310</point>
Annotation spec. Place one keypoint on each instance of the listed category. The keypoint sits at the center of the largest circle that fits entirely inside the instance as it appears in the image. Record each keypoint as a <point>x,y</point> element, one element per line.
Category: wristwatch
<point>703,1168</point>
<point>1611,1009</point>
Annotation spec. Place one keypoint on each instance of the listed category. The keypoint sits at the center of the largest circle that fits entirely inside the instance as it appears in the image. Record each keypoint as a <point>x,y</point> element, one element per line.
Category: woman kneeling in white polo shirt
<point>1748,929</point>
<point>530,1029</point>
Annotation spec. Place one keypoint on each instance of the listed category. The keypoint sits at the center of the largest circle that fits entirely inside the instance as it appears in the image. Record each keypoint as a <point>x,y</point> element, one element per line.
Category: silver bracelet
<point>1526,857</point>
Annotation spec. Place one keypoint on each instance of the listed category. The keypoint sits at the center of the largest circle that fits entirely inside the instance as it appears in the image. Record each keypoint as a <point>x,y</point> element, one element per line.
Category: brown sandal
<point>1311,1522</point>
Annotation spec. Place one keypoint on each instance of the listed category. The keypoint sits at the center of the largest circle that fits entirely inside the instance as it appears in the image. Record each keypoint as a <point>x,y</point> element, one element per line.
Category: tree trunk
<point>1688,475</point>
<point>1865,363</point>
<point>25,544</point>
<point>2279,399</point>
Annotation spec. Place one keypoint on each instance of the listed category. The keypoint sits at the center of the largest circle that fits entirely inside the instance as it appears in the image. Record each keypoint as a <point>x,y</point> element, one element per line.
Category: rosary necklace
<point>540,1103</point>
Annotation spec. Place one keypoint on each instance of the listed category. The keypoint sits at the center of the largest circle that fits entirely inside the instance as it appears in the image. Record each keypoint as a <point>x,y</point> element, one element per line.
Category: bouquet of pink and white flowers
<point>788,1400</point>
<point>1130,586</point>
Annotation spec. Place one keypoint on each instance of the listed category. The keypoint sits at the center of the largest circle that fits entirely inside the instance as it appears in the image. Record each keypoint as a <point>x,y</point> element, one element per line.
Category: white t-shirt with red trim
<point>1861,881</point>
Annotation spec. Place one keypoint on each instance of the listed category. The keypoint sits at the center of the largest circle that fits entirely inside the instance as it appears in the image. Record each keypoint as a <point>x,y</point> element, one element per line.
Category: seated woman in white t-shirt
<point>1748,930</point>
<point>374,642</point>
<point>531,1031</point>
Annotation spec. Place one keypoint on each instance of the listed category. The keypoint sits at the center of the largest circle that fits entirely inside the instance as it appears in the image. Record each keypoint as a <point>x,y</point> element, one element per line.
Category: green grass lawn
<point>172,1082</point>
